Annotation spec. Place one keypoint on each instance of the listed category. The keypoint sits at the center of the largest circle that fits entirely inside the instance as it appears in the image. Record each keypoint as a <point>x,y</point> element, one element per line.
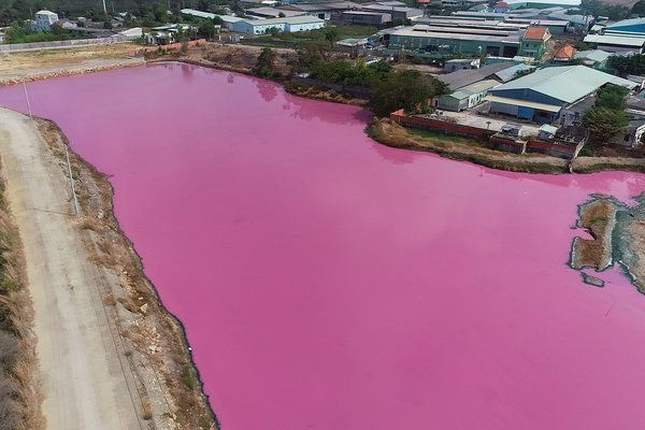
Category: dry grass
<point>597,217</point>
<point>20,394</point>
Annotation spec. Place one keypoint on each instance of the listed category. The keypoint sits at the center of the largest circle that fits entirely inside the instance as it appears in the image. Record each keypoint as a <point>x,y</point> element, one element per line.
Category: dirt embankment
<point>391,134</point>
<point>154,341</point>
<point>20,383</point>
<point>619,237</point>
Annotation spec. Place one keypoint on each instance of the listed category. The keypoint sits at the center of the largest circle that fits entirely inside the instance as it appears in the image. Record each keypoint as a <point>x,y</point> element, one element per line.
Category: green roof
<point>567,84</point>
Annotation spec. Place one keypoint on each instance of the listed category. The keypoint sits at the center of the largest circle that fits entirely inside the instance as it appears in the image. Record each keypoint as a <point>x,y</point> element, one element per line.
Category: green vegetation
<point>598,8</point>
<point>607,119</point>
<point>346,73</point>
<point>265,65</point>
<point>639,8</point>
<point>405,89</point>
<point>629,65</point>
<point>21,32</point>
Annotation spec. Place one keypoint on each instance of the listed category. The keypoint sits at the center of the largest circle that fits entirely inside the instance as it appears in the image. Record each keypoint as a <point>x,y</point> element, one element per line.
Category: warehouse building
<point>286,24</point>
<point>271,12</point>
<point>430,39</point>
<point>361,17</point>
<point>466,97</point>
<point>627,27</point>
<point>398,13</point>
<point>615,43</point>
<point>323,10</point>
<point>541,96</point>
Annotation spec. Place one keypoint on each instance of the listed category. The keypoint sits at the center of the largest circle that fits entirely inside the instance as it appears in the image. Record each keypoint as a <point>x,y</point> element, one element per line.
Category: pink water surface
<point>328,282</point>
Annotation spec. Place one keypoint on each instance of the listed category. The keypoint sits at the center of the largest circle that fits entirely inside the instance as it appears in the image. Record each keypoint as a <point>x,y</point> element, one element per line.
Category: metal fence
<point>62,44</point>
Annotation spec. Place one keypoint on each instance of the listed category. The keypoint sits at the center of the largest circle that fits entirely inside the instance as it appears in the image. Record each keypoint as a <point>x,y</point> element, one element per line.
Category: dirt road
<point>87,382</point>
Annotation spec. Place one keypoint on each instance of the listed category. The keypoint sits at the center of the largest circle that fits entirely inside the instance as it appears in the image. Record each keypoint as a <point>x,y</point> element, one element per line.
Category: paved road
<point>88,385</point>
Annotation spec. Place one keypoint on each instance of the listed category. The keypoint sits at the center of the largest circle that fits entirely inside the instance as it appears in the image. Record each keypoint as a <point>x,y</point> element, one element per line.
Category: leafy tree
<point>206,29</point>
<point>265,65</point>
<point>639,8</point>
<point>627,65</point>
<point>598,8</point>
<point>604,123</point>
<point>273,31</point>
<point>331,36</point>
<point>612,97</point>
<point>218,21</point>
<point>407,89</point>
<point>346,73</point>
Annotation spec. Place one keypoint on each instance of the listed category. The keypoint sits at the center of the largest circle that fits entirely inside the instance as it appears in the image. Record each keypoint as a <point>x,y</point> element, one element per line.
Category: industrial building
<point>540,96</point>
<point>285,24</point>
<point>361,17</point>
<point>398,13</point>
<point>627,27</point>
<point>323,10</point>
<point>616,43</point>
<point>430,39</point>
<point>469,39</point>
<point>229,20</point>
<point>271,12</point>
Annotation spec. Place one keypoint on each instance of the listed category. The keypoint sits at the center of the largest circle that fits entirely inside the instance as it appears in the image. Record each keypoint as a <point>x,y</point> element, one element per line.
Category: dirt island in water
<point>618,236</point>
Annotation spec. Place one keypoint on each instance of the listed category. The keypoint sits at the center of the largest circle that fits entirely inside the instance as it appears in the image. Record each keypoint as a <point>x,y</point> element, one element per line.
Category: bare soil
<point>33,65</point>
<point>154,340</point>
<point>598,217</point>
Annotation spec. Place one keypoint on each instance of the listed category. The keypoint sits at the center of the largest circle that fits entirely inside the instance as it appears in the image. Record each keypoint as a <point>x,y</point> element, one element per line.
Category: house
<point>541,96</point>
<point>547,132</point>
<point>501,7</point>
<point>44,20</point>
<point>565,54</point>
<point>286,24</point>
<point>534,42</point>
<point>466,97</point>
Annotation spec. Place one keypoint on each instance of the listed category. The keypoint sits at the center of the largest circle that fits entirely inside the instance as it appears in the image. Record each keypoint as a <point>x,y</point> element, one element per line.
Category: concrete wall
<point>61,44</point>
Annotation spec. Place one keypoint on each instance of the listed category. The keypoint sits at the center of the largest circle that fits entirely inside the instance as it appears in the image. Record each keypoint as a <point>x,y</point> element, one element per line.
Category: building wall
<point>290,28</point>
<point>361,19</point>
<point>429,44</point>
<point>45,21</point>
<point>532,48</point>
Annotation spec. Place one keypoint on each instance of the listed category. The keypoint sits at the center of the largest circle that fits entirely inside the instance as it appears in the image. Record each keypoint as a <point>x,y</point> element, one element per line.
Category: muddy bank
<point>618,232</point>
<point>154,340</point>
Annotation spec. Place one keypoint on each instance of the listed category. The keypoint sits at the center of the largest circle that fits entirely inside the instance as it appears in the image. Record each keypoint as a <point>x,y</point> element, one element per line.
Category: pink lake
<point>328,282</point>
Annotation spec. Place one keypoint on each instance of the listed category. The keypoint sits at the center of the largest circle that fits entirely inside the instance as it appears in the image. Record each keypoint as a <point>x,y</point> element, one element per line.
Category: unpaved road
<point>87,382</point>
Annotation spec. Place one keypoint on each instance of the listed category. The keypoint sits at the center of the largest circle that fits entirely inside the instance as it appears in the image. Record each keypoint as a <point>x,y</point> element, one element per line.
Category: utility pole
<point>104,8</point>
<point>24,87</point>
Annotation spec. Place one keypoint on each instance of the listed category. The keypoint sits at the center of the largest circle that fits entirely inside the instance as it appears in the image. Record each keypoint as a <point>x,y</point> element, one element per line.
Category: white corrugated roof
<point>514,102</point>
<point>568,83</point>
<point>602,39</point>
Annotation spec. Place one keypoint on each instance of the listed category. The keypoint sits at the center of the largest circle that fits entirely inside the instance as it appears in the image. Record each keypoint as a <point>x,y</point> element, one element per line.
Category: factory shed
<point>541,95</point>
<point>613,43</point>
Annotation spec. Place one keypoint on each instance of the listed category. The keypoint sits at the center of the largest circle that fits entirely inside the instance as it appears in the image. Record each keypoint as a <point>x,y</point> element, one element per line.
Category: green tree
<point>407,89</point>
<point>265,65</point>
<point>612,97</point>
<point>639,8</point>
<point>627,65</point>
<point>273,31</point>
<point>206,29</point>
<point>605,124</point>
<point>331,36</point>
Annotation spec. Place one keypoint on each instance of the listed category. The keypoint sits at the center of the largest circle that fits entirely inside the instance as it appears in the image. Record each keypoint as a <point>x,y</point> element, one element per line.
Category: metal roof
<point>514,102</point>
<point>509,73</point>
<point>462,78</point>
<point>626,22</point>
<point>271,11</point>
<point>568,83</point>
<point>301,19</point>
<point>634,42</point>
<point>469,36</point>
<point>595,55</point>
